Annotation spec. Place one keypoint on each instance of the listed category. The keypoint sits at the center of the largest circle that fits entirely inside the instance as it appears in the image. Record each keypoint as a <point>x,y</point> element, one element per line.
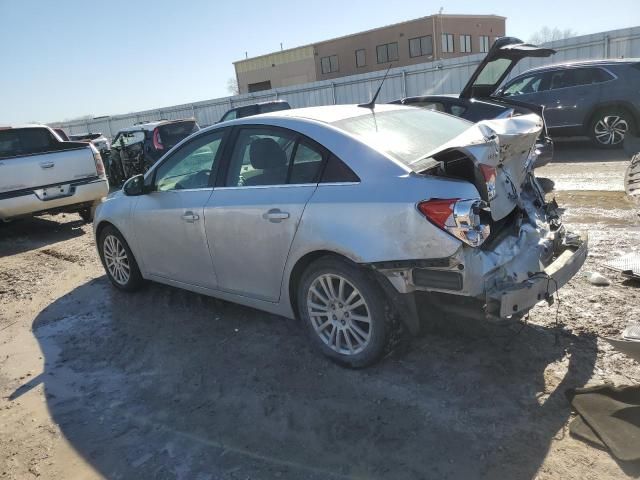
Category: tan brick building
<point>406,43</point>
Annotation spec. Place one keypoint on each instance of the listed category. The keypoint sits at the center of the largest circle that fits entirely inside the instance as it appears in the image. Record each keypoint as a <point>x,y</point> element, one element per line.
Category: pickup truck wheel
<point>345,312</point>
<point>609,126</point>
<point>118,260</point>
<point>86,214</point>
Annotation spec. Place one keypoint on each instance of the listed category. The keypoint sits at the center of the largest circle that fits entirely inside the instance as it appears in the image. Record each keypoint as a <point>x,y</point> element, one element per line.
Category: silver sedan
<point>347,218</point>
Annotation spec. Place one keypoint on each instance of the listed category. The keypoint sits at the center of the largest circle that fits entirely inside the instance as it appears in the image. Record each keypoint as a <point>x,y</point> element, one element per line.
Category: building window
<point>257,87</point>
<point>361,58</point>
<point>447,43</point>
<point>329,64</point>
<point>465,43</point>
<point>420,46</point>
<point>387,52</point>
<point>484,43</point>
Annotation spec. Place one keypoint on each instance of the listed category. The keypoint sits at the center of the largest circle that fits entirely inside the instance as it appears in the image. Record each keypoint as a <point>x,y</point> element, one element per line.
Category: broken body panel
<point>528,254</point>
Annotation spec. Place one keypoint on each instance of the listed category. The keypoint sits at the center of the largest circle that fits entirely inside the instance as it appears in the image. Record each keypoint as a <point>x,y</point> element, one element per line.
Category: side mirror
<point>134,186</point>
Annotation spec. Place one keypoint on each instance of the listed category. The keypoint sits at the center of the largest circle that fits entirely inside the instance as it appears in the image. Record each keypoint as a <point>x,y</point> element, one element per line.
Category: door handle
<point>190,217</point>
<point>47,164</point>
<point>275,215</point>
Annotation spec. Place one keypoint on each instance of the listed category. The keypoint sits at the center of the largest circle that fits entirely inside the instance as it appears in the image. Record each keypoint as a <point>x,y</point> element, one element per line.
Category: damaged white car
<point>347,217</point>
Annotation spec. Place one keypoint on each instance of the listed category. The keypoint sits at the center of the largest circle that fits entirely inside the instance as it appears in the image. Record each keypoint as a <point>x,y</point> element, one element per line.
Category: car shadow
<point>165,384</point>
<point>30,233</point>
<point>576,149</point>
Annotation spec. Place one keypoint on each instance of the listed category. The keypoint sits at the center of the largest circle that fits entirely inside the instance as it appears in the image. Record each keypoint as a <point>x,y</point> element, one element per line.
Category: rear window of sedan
<point>406,134</point>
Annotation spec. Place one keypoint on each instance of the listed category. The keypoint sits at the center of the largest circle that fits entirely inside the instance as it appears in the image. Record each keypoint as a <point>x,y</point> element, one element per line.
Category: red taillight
<point>489,175</point>
<point>99,164</point>
<point>464,219</point>
<point>157,141</point>
<point>438,211</point>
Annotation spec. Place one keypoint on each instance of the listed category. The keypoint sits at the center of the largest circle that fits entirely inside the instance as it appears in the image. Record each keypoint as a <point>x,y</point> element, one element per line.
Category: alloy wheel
<point>610,129</point>
<point>339,314</point>
<point>115,257</point>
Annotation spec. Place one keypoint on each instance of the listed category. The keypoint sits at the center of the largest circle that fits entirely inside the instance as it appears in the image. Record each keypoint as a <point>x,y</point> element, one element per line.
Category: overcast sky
<point>66,58</point>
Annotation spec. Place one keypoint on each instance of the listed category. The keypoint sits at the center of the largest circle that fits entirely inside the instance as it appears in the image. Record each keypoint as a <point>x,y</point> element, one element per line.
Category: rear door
<point>503,56</point>
<point>252,218</point>
<point>34,157</point>
<point>169,225</point>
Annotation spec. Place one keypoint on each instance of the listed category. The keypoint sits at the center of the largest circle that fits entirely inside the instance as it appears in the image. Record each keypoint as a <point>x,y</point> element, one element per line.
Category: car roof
<point>585,63</point>
<point>329,113</point>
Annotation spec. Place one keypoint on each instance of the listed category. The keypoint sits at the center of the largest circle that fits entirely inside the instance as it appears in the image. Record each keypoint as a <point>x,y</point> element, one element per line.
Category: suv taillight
<point>466,220</point>
<point>157,141</point>
<point>97,158</point>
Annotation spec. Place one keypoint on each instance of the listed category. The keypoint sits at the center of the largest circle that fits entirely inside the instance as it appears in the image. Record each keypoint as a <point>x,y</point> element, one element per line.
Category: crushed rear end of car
<point>514,250</point>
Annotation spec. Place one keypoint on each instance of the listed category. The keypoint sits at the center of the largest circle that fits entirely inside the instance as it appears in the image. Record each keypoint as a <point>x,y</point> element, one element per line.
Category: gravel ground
<point>95,383</point>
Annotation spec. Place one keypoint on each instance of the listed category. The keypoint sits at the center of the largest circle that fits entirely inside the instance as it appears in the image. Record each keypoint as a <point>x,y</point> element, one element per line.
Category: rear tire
<point>86,214</point>
<point>118,260</point>
<point>346,313</point>
<point>609,126</point>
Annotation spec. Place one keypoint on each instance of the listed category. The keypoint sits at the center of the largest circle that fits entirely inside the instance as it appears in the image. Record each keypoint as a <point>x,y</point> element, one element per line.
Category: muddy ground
<point>96,383</point>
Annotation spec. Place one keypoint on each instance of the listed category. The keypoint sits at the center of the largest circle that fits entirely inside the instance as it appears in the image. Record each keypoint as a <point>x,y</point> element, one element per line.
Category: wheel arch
<point>298,270</point>
<point>619,104</point>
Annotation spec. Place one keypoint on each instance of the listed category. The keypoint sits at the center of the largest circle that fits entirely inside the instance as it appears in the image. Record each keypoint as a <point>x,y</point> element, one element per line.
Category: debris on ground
<point>599,280</point>
<point>628,265</point>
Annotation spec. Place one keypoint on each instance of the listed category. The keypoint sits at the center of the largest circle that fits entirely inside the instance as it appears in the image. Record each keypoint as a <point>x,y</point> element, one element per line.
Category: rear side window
<point>274,107</point>
<point>274,156</point>
<point>336,171</point>
<point>25,141</point>
<point>578,76</point>
<point>173,133</point>
<point>125,139</point>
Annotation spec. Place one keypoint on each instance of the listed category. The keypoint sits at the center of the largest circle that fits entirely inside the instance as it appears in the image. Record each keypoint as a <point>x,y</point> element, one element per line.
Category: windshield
<point>406,134</point>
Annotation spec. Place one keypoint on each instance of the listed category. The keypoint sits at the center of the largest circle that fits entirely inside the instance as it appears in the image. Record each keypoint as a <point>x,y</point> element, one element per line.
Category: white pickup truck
<point>39,173</point>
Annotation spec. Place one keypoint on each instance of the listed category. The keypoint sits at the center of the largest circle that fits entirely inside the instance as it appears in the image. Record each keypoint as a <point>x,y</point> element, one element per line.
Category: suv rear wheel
<point>609,126</point>
<point>345,312</point>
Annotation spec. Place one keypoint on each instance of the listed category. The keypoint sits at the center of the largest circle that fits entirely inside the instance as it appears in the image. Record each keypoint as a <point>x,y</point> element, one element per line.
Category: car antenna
<point>372,102</point>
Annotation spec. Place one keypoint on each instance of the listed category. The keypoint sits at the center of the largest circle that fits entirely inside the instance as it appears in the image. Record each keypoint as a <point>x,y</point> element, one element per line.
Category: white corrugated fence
<point>441,76</point>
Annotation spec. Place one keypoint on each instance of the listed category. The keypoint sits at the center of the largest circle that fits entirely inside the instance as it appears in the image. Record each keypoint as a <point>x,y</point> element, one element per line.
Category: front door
<point>251,220</point>
<point>169,222</point>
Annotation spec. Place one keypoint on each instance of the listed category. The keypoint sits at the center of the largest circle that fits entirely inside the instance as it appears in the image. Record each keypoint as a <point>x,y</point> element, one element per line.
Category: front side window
<point>192,166</point>
<point>447,43</point>
<point>361,58</point>
<point>387,52</point>
<point>329,64</point>
<point>525,85</point>
<point>420,46</point>
<point>273,156</point>
<point>465,43</point>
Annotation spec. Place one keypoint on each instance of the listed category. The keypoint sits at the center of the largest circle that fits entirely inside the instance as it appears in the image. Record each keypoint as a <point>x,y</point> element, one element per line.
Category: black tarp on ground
<point>610,417</point>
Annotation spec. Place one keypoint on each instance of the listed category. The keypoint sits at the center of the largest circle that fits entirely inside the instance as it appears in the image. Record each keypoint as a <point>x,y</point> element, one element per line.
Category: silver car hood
<point>508,145</point>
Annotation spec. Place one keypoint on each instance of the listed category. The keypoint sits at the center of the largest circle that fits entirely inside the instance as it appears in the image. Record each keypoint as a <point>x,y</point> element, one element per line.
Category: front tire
<point>609,126</point>
<point>118,260</point>
<point>345,312</point>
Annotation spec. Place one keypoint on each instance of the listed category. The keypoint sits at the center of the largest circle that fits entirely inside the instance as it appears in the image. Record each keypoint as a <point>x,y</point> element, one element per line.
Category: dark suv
<point>255,109</point>
<point>136,148</point>
<point>599,98</point>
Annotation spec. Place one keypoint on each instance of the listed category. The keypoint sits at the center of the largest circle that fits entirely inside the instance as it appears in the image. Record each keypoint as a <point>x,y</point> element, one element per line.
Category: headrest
<point>265,153</point>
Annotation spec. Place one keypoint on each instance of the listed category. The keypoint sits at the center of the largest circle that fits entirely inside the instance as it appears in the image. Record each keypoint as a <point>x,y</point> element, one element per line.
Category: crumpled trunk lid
<point>505,145</point>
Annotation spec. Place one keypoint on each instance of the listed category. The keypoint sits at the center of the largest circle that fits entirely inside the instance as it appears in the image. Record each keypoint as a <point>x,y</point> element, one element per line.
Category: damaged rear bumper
<point>520,298</point>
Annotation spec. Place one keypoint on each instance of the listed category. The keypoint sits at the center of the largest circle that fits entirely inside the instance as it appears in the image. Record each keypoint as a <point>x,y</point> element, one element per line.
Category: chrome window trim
<point>288,185</point>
